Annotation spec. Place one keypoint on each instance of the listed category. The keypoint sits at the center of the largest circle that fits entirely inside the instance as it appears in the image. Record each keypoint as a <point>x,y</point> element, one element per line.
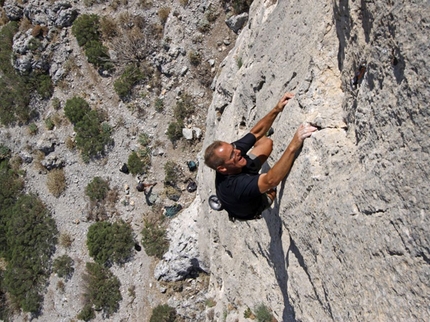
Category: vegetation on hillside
<point>16,89</point>
<point>27,242</point>
<point>101,292</point>
<point>86,29</point>
<point>93,135</point>
<point>110,243</point>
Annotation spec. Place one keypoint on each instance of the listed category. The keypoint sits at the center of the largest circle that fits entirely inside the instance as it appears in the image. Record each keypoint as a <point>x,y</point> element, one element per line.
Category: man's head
<point>224,158</point>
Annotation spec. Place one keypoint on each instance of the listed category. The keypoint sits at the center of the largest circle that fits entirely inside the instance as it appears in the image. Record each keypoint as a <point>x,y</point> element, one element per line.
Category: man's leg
<point>263,148</point>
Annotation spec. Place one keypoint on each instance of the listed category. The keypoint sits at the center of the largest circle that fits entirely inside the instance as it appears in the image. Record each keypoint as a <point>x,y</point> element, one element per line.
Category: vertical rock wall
<point>348,238</point>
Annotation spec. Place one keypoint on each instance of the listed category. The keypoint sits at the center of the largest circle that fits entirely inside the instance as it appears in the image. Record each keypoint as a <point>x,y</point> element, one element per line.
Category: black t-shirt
<point>239,193</point>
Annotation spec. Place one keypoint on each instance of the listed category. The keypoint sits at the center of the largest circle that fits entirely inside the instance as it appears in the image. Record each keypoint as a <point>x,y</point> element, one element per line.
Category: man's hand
<point>283,101</point>
<point>304,131</point>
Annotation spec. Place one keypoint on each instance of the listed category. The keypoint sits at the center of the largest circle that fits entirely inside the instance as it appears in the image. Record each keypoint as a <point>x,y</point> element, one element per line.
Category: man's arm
<point>261,128</point>
<point>281,168</point>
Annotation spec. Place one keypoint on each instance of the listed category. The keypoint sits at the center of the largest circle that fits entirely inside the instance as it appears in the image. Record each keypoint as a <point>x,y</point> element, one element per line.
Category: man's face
<point>233,160</point>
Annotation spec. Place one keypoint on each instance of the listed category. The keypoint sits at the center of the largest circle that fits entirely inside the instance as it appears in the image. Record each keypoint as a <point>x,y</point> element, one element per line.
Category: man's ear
<point>221,169</point>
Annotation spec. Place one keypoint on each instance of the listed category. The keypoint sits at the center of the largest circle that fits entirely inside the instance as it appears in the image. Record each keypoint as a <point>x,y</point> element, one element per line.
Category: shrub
<point>4,152</point>
<point>92,136</point>
<point>135,164</point>
<point>263,314</point>
<point>32,129</point>
<point>56,182</point>
<point>101,291</point>
<point>86,28</point>
<point>97,189</point>
<point>108,27</point>
<point>154,239</point>
<point>163,14</point>
<point>98,54</point>
<point>63,266</point>
<point>65,240</point>
<point>129,78</point>
<point>144,139</point>
<point>110,243</point>
<point>163,313</point>
<point>159,105</point>
<point>171,173</point>
<point>87,313</point>
<point>195,58</point>
<point>56,103</point>
<point>14,91</point>
<point>184,107</point>
<point>76,108</point>
<point>49,124</point>
<point>27,244</point>
<point>174,131</point>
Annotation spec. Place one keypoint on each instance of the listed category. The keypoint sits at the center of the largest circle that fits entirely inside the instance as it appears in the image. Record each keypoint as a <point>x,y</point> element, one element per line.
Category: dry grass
<point>56,182</point>
<point>163,14</point>
<point>66,240</point>
<point>108,27</point>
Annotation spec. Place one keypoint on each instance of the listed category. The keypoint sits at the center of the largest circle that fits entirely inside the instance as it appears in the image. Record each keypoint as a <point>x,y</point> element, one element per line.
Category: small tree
<point>86,28</point>
<point>154,239</point>
<point>163,313</point>
<point>97,189</point>
<point>63,266</point>
<point>76,108</point>
<point>101,291</point>
<point>110,243</point>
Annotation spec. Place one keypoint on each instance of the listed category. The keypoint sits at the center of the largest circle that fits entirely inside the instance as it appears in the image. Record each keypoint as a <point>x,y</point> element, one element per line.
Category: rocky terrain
<point>347,238</point>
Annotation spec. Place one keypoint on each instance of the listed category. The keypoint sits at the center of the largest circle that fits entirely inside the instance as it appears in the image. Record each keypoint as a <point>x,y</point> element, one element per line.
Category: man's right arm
<point>281,168</point>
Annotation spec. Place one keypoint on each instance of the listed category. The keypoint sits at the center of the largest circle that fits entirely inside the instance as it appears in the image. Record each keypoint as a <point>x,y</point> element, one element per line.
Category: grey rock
<point>237,22</point>
<point>47,142</point>
<point>53,161</point>
<point>13,11</point>
<point>187,133</point>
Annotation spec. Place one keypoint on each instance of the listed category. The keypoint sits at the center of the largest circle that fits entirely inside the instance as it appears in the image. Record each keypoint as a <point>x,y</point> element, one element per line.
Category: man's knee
<point>265,142</point>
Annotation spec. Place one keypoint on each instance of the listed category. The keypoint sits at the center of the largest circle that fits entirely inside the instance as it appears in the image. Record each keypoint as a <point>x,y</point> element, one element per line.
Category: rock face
<point>348,236</point>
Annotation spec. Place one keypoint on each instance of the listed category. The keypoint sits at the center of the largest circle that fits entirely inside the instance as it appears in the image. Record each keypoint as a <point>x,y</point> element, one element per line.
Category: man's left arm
<point>261,128</point>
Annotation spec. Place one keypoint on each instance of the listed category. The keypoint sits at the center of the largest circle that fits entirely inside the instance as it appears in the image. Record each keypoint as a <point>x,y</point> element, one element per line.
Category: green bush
<point>144,139</point>
<point>92,135</point>
<point>102,291</point>
<point>97,189</point>
<point>14,92</point>
<point>154,239</point>
<point>98,54</point>
<point>4,152</point>
<point>135,164</point>
<point>263,314</point>
<point>171,173</point>
<point>32,129</point>
<point>174,131</point>
<point>129,78</point>
<point>163,313</point>
<point>76,108</point>
<point>27,244</point>
<point>110,243</point>
<point>87,313</point>
<point>86,28</point>
<point>49,124</point>
<point>159,105</point>
<point>184,107</point>
<point>63,266</point>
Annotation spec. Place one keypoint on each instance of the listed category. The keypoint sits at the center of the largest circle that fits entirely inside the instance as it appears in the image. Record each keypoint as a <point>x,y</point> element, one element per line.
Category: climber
<point>242,191</point>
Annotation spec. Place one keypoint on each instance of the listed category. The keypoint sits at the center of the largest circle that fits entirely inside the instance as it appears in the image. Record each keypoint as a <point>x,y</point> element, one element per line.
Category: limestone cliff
<point>348,237</point>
